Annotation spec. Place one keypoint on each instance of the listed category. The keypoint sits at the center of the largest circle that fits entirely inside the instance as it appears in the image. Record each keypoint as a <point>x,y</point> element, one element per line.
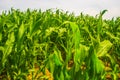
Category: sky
<point>91,7</point>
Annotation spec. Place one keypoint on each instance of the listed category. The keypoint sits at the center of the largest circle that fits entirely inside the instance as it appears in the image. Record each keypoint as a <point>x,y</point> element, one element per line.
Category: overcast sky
<point>91,7</point>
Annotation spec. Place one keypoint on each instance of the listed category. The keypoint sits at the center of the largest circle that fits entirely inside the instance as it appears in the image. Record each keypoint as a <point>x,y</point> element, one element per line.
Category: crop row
<point>58,45</point>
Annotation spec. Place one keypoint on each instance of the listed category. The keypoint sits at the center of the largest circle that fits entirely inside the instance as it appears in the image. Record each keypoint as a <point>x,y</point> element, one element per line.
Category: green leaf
<point>103,12</point>
<point>21,31</point>
<point>2,48</point>
<point>103,48</point>
<point>112,36</point>
<point>57,58</point>
<point>98,65</point>
<point>76,34</point>
<point>61,76</point>
<point>0,36</point>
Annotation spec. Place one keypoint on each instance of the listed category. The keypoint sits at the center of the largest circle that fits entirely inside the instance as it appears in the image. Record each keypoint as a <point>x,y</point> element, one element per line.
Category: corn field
<point>57,45</point>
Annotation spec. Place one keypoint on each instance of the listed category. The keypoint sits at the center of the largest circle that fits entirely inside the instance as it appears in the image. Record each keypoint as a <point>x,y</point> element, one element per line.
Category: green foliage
<point>70,47</point>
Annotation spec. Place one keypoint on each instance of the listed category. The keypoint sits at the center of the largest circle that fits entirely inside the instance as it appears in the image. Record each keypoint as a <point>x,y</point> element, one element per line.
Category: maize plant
<point>57,45</point>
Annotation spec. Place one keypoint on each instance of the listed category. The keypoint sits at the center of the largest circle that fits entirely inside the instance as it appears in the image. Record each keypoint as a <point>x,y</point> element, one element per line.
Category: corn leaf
<point>103,48</point>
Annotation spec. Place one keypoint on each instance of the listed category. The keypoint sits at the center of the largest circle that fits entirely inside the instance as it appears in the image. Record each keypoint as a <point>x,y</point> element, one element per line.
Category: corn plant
<point>57,45</point>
